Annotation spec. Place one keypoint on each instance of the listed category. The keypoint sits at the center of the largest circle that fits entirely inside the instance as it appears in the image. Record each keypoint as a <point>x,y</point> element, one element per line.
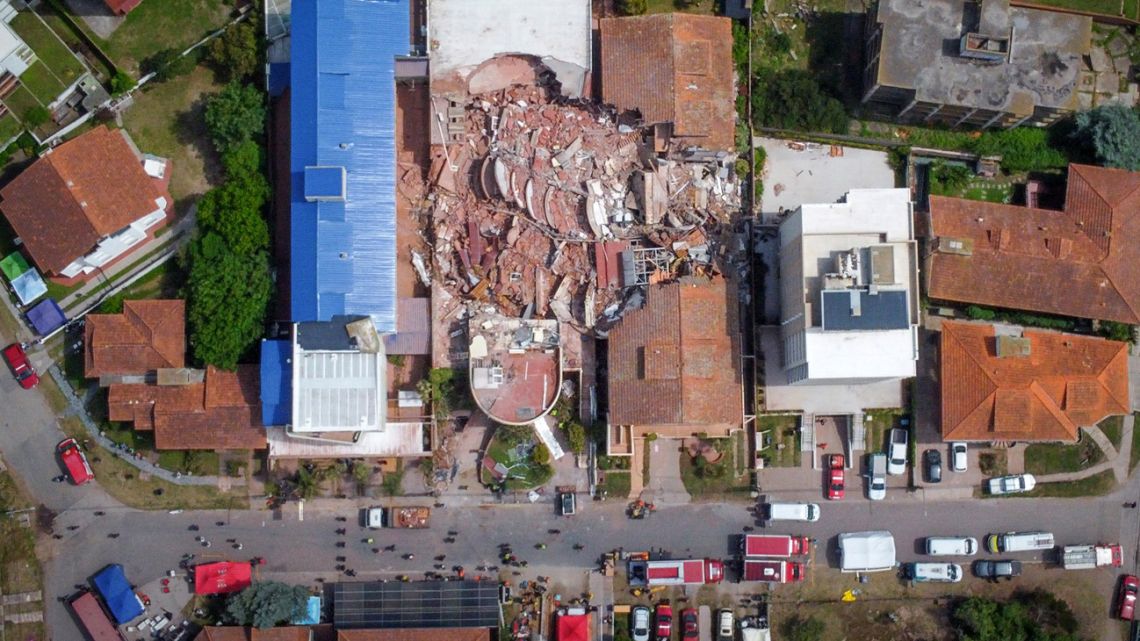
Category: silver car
<point>639,623</point>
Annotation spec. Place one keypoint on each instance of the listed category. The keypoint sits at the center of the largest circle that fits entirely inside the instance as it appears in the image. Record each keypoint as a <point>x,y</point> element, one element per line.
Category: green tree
<point>235,211</point>
<point>169,63</point>
<point>793,99</point>
<point>1112,134</point>
<point>512,435</point>
<point>121,83</point>
<point>235,115</point>
<point>236,54</point>
<point>576,436</point>
<point>1117,331</point>
<point>1021,149</point>
<point>308,483</point>
<point>800,628</point>
<point>1030,616</point>
<point>267,603</point>
<point>36,116</point>
<point>631,7</point>
<point>541,454</point>
<point>227,296</point>
<point>948,178</point>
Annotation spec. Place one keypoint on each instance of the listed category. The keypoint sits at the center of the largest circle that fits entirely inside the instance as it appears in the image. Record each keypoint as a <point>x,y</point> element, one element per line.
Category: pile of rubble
<point>543,205</point>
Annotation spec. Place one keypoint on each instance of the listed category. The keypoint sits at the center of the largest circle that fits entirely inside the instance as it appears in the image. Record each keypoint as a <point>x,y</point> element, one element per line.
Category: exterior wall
<point>117,244</point>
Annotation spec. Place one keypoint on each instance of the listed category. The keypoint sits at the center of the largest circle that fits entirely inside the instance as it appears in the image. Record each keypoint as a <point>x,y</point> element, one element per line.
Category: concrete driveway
<point>665,486</point>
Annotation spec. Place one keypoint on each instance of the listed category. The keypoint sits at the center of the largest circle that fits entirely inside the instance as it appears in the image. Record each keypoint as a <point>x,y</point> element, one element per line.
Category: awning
<point>866,551</point>
<point>29,286</point>
<point>46,317</point>
<point>222,577</point>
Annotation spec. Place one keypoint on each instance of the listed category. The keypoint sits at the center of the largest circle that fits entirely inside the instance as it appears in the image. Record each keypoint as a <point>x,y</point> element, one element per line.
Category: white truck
<point>1089,557</point>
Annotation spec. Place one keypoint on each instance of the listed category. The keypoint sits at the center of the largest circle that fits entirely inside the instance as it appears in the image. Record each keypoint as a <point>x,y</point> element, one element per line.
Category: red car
<point>689,624</point>
<point>664,616</point>
<point>21,368</point>
<point>75,462</point>
<point>1129,586</point>
<point>835,483</point>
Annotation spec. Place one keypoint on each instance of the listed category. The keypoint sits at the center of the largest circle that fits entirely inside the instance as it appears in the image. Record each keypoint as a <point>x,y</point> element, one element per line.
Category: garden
<point>778,439</point>
<point>515,460</point>
<point>710,467</point>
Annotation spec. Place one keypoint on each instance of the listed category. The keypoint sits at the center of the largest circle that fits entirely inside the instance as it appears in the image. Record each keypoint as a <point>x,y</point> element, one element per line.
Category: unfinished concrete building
<point>966,63</point>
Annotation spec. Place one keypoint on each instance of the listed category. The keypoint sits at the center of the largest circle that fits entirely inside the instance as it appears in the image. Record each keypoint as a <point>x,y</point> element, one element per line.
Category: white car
<point>958,457</point>
<point>639,623</point>
<point>877,476</point>
<point>724,626</point>
<point>1013,484</point>
<point>896,456</point>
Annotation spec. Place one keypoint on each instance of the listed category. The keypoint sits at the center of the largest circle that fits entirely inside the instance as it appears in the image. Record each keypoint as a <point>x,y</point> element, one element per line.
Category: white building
<point>849,290</point>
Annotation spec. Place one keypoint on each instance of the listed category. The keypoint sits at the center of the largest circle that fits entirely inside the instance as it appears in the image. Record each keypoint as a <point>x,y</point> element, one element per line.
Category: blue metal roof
<point>343,103</point>
<point>276,382</point>
<point>848,309</point>
<point>278,78</point>
<point>117,593</point>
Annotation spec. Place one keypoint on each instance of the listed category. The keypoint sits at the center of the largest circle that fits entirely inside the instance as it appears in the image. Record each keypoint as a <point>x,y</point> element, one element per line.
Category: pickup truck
<point>408,518</point>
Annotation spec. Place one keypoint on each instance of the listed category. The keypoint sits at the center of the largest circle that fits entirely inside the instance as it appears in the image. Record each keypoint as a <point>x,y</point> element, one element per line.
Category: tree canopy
<point>267,603</point>
<point>1030,616</point>
<point>235,115</point>
<point>793,99</point>
<point>228,294</point>
<point>236,54</point>
<point>235,210</point>
<point>1112,134</point>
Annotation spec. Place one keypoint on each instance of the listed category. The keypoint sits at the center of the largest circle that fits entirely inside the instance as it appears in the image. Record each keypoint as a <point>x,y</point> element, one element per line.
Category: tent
<point>13,265</point>
<point>29,286</point>
<point>117,593</point>
<point>312,614</point>
<point>222,577</point>
<point>573,625</point>
<point>866,551</point>
<point>46,317</point>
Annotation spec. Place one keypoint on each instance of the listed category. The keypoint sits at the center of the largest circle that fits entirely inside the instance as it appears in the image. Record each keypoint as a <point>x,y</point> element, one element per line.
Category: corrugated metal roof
<point>344,115</point>
<point>276,382</point>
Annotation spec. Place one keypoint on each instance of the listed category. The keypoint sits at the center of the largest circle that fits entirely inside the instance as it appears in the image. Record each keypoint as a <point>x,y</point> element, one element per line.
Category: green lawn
<point>668,6</point>
<point>1052,458</point>
<point>166,24</point>
<point>1128,8</point>
<point>1134,456</point>
<point>616,484</point>
<point>20,101</point>
<point>9,128</point>
<point>1113,428</point>
<point>881,421</point>
<point>43,84</point>
<point>523,474</point>
<point>714,480</point>
<point>48,47</point>
<point>783,429</point>
<point>1095,485</point>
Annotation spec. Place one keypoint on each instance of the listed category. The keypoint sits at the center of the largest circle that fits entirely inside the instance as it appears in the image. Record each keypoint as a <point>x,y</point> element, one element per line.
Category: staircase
<point>807,435</point>
<point>857,434</point>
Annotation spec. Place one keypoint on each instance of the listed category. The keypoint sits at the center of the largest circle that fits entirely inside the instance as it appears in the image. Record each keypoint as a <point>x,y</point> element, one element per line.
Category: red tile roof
<point>1063,383</point>
<point>676,360</point>
<point>239,633</point>
<point>83,190</point>
<point>223,413</point>
<point>147,335</point>
<point>674,67</point>
<point>1080,262</point>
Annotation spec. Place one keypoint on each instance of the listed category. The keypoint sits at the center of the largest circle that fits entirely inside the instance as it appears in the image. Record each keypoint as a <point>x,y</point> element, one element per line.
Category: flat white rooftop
<point>876,211</point>
<point>464,33</point>
<point>862,354</point>
<point>338,390</point>
<point>397,439</point>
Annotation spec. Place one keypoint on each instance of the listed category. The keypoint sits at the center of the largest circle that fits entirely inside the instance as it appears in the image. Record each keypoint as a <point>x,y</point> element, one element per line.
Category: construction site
<point>549,207</point>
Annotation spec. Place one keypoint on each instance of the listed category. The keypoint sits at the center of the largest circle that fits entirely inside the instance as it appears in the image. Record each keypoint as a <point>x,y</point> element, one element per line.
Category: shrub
<point>170,63</point>
<point>1021,149</point>
<point>576,435</point>
<point>36,116</point>
<point>541,454</point>
<point>121,83</point>
<point>794,99</point>
<point>980,313</point>
<point>948,178</point>
<point>631,7</point>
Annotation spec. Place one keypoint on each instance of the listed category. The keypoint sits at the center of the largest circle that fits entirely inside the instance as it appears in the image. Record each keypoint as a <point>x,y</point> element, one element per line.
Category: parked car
<point>877,476</point>
<point>78,470</point>
<point>1012,484</point>
<point>664,621</point>
<point>567,503</point>
<point>835,481</point>
<point>896,455</point>
<point>932,461</point>
<point>994,570</point>
<point>639,623</point>
<point>1129,586</point>
<point>958,459</point>
<point>724,625</point>
<point>689,628</point>
<point>22,368</point>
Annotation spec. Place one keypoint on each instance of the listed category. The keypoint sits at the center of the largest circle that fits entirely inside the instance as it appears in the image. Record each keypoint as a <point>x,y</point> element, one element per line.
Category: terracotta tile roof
<point>673,67</point>
<point>87,188</point>
<point>416,634</point>
<point>1080,262</point>
<point>1065,382</point>
<point>147,335</point>
<point>239,633</point>
<point>675,361</point>
<point>223,413</point>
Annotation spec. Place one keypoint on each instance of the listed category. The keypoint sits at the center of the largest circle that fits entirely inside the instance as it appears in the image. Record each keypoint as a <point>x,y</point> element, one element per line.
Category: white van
<point>1019,542</point>
<point>934,572</point>
<point>788,511</point>
<point>951,545</point>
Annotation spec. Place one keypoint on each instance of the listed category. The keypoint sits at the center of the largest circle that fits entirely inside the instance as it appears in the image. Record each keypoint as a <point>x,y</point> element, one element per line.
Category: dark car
<point>21,368</point>
<point>689,628</point>
<point>932,461</point>
<point>994,570</point>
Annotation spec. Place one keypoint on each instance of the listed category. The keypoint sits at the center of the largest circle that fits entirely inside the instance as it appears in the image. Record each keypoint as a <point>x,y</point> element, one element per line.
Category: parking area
<point>796,173</point>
